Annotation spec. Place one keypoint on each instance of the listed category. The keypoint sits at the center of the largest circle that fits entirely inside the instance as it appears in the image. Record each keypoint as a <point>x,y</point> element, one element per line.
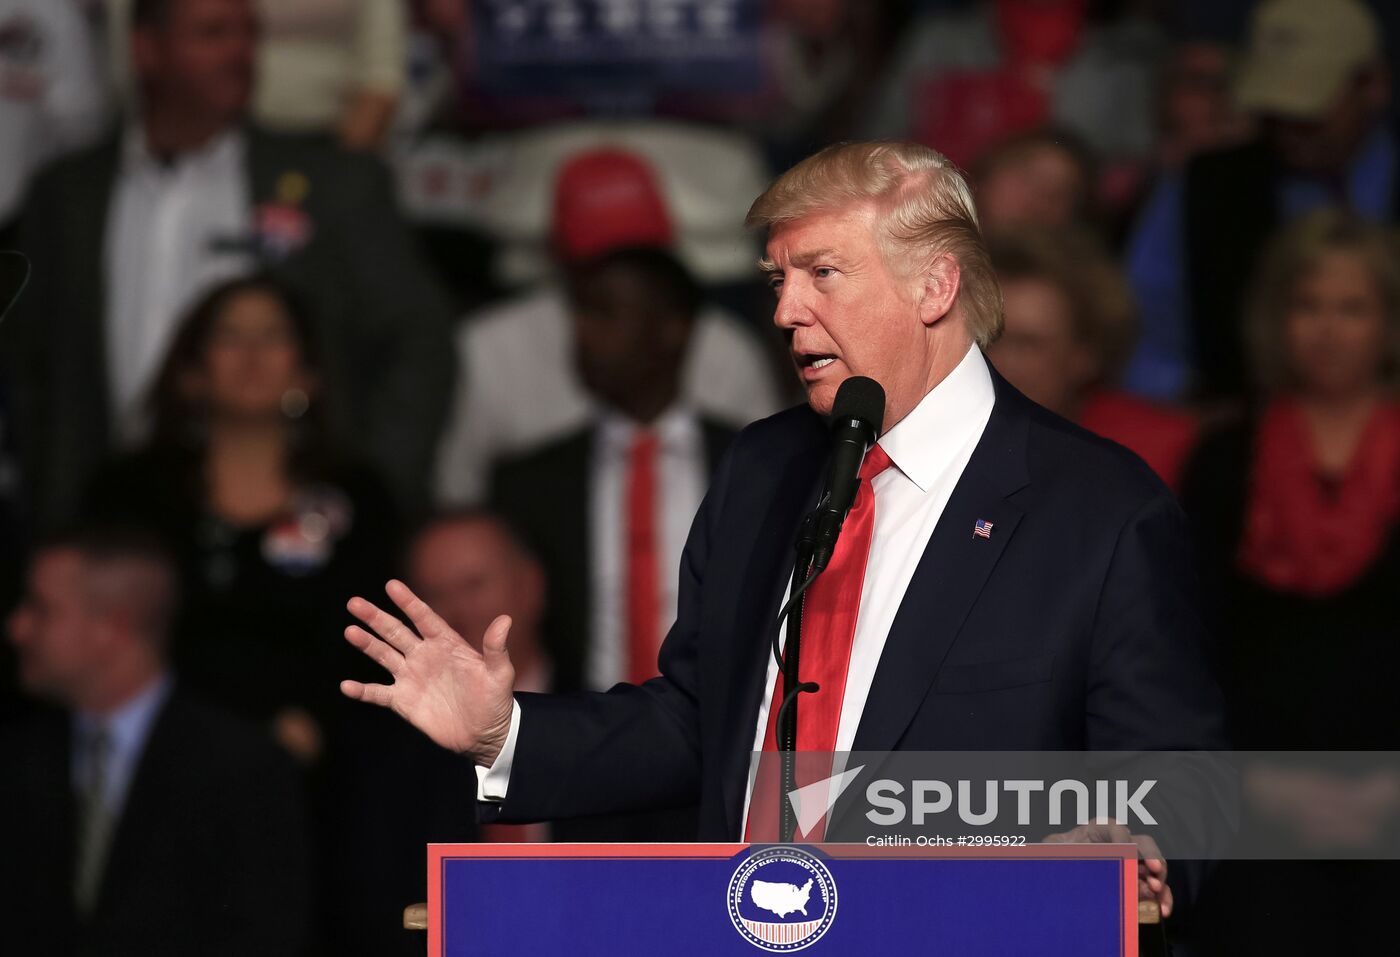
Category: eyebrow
<point>802,260</point>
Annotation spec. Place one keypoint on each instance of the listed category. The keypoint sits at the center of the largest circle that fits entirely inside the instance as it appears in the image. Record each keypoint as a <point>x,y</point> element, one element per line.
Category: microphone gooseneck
<point>856,417</point>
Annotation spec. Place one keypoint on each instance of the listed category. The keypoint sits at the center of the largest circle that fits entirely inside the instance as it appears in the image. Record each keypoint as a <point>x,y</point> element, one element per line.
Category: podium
<point>718,899</point>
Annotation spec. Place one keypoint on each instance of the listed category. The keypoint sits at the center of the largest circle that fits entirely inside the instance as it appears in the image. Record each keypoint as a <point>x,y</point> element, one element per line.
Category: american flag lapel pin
<point>983,529</point>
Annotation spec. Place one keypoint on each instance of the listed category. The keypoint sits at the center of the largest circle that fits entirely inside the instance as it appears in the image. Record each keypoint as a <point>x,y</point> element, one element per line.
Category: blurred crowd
<point>326,292</point>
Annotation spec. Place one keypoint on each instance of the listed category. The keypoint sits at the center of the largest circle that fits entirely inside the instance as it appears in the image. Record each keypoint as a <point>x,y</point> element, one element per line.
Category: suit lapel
<point>950,575</point>
<point>576,522</point>
<point>717,439</point>
<point>765,582</point>
<point>95,206</point>
<point>141,809</point>
<point>568,501</point>
<point>263,167</point>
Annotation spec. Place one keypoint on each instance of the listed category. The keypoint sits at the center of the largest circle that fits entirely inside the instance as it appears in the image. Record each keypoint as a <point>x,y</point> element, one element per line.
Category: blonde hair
<point>1297,251</point>
<point>924,210</point>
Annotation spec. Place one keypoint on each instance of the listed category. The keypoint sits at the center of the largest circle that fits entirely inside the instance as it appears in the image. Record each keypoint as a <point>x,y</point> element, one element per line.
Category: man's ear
<point>939,283</point>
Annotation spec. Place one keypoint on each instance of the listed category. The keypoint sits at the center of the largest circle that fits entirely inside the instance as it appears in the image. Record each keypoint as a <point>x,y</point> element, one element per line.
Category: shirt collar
<point>674,428</point>
<point>927,440</point>
<point>227,147</point>
<point>128,726</point>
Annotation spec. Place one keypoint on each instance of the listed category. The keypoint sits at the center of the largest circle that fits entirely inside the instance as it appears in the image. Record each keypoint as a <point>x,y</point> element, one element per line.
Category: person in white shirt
<point>124,236</point>
<point>608,507</point>
<point>518,386</point>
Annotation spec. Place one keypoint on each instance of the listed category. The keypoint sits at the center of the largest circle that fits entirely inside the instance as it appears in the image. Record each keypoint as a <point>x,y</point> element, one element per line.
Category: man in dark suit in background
<point>608,507</point>
<point>125,235</point>
<point>1005,580</point>
<point>137,819</point>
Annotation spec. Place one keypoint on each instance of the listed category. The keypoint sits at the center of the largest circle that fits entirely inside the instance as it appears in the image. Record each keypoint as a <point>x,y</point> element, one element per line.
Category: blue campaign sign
<point>591,48</point>
<point>730,899</point>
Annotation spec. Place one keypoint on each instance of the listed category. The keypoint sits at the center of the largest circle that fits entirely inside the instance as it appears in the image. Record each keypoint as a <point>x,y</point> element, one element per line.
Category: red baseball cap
<point>607,199</point>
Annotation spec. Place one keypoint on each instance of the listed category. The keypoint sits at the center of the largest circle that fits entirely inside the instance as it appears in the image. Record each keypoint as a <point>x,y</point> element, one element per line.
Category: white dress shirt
<point>682,473</point>
<point>175,229</point>
<point>930,447</point>
<point>518,387</point>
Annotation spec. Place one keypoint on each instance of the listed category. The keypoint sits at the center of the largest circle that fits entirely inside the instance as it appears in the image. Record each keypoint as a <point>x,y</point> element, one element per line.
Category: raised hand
<point>456,694</point>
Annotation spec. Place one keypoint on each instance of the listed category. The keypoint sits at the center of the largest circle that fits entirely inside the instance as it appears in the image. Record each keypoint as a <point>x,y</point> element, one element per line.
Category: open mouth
<point>814,360</point>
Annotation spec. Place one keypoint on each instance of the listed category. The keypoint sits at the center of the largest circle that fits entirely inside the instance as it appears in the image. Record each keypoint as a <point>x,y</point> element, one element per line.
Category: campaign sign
<point>708,899</point>
<point>592,48</point>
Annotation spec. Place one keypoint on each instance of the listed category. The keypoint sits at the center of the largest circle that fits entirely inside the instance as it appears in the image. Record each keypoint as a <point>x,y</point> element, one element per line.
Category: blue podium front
<point>716,899</point>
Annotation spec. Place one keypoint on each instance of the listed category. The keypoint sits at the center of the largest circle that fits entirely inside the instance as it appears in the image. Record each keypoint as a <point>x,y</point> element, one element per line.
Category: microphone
<point>856,416</point>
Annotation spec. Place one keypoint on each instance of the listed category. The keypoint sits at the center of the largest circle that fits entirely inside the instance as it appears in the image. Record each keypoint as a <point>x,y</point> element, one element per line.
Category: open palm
<point>457,695</point>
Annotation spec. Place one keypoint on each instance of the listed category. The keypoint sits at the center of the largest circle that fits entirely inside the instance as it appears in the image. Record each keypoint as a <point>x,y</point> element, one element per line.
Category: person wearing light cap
<point>518,387</point>
<point>1313,76</point>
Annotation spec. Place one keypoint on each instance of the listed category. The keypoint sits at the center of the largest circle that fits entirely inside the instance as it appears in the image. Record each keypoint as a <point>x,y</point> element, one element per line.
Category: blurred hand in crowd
<point>456,692</point>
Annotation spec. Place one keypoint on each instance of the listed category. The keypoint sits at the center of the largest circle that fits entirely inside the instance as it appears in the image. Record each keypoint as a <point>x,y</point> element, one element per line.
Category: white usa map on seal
<point>781,899</point>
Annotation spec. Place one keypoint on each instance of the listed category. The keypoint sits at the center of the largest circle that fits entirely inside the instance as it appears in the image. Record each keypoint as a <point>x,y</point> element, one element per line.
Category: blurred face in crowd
<point>1197,111</point>
<point>846,312</point>
<point>1043,186</point>
<point>252,359</point>
<point>815,19</point>
<point>1038,351</point>
<point>57,629</point>
<point>201,60</point>
<point>1328,143</point>
<point>629,340</point>
<point>1335,330</point>
<point>470,571</point>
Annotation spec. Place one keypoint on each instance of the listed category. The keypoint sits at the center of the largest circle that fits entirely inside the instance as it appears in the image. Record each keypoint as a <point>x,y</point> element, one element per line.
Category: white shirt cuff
<point>491,783</point>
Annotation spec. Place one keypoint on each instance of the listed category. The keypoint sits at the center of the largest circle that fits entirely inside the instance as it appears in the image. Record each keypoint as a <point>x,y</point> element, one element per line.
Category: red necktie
<point>642,599</point>
<point>828,631</point>
<point>513,834</point>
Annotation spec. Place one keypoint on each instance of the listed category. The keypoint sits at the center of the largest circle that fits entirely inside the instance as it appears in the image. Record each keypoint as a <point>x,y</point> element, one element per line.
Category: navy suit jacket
<point>1075,626</point>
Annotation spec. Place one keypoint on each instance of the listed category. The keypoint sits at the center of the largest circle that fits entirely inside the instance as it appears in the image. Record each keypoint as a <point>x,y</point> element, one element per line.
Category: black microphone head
<point>860,398</point>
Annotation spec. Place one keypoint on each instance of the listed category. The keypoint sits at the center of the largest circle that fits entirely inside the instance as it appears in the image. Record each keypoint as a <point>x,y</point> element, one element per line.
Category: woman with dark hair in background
<point>1296,512</point>
<point>272,525</point>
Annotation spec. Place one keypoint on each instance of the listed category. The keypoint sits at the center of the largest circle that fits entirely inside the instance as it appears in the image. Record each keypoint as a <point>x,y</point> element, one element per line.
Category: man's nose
<point>792,310</point>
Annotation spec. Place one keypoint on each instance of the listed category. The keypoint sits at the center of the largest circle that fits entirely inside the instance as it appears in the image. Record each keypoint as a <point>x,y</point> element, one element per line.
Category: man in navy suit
<point>1022,584</point>
<point>139,819</point>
